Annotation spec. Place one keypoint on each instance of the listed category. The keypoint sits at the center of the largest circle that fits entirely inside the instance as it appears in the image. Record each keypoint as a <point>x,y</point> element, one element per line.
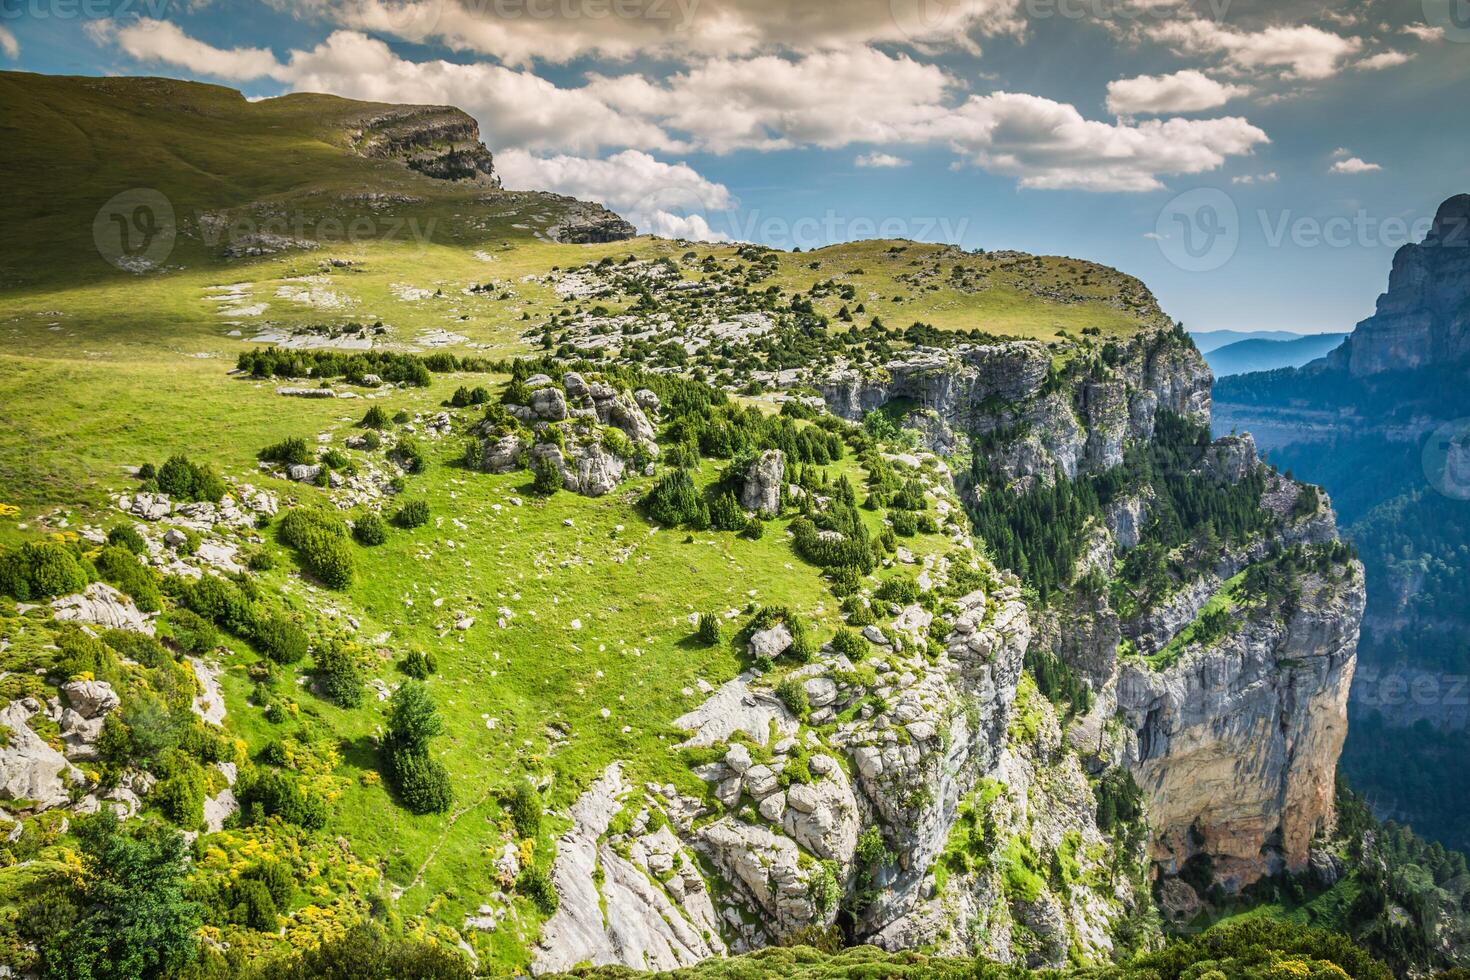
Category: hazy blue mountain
<point>1208,340</point>
<point>1259,354</point>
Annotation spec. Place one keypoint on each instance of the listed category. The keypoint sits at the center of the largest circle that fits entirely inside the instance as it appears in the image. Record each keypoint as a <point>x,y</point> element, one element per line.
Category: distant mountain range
<point>1268,354</point>
<point>1210,340</point>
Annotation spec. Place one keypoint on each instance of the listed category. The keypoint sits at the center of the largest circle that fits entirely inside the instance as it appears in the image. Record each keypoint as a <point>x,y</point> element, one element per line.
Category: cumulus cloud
<point>1266,178</point>
<point>880,161</point>
<point>9,44</point>
<point>668,199</point>
<point>151,40</point>
<point>1354,165</point>
<point>519,32</point>
<point>1301,52</point>
<point>1424,32</point>
<point>827,99</point>
<point>1051,146</point>
<point>1183,91</point>
<point>1384,59</point>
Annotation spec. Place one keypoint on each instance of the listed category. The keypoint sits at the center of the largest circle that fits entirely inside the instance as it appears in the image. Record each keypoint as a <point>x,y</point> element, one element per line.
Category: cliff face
<point>1234,741</point>
<point>1424,317</point>
<point>439,141</point>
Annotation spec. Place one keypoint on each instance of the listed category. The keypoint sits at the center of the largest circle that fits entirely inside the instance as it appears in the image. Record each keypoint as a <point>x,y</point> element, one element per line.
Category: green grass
<point>1223,601</point>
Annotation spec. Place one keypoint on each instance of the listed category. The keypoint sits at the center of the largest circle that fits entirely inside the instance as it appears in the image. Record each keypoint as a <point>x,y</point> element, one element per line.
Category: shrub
<point>288,452</point>
<point>547,478</point>
<point>755,529</point>
<point>281,639</point>
<point>409,456</point>
<point>726,514</point>
<point>413,514</point>
<point>525,810</point>
<point>417,664</point>
<point>674,500</point>
<point>375,418</point>
<point>899,589</point>
<point>121,567</point>
<point>137,647</point>
<point>278,878</point>
<point>41,570</point>
<point>320,540</point>
<point>181,796</point>
<point>126,536</point>
<point>367,952</point>
<point>850,645</point>
<point>335,459</point>
<point>535,884</point>
<point>256,907</point>
<point>793,694</point>
<point>185,480</point>
<point>266,793</point>
<point>370,530</point>
<point>191,632</point>
<point>904,523</point>
<point>423,783</point>
<point>339,669</point>
<point>708,632</point>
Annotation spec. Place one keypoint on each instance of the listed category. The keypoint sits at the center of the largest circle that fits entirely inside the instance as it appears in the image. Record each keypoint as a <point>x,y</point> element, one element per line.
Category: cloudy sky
<point>1255,162</point>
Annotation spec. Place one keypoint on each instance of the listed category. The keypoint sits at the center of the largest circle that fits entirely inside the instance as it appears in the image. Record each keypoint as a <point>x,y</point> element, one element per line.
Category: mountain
<point>1212,340</point>
<point>1245,356</point>
<point>509,599</point>
<point>1379,423</point>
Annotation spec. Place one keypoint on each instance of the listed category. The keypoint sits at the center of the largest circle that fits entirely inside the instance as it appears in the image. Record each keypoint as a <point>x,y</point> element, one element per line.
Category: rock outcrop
<point>1424,317</point>
<point>32,773</point>
<point>761,491</point>
<point>438,141</point>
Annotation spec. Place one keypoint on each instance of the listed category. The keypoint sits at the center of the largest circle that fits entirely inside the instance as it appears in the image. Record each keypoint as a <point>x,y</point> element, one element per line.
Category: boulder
<point>303,472</point>
<point>770,642</point>
<point>761,491</point>
<point>90,699</point>
<point>29,768</point>
<point>549,404</point>
<point>102,605</point>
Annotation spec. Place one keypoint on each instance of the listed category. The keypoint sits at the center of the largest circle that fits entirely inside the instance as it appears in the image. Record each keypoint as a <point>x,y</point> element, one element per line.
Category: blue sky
<point>1255,163</point>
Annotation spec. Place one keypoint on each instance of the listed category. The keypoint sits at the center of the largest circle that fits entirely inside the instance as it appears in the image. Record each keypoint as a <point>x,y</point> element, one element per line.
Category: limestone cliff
<point>439,141</point>
<point>1424,317</point>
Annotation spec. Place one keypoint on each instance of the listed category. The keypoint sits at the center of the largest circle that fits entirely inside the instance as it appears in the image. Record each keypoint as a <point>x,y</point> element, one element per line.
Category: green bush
<point>181,796</point>
<point>255,907</point>
<point>375,418</point>
<point>137,647</point>
<point>185,480</point>
<point>121,567</point>
<point>726,514</point>
<point>793,694</point>
<point>905,524</point>
<point>899,589</point>
<point>547,478</point>
<point>417,664</point>
<point>708,632</point>
<point>408,454</point>
<point>191,632</point>
<point>281,639</point>
<point>370,530</point>
<point>535,884</point>
<point>288,452</point>
<point>423,783</point>
<point>413,514</point>
<point>265,793</point>
<point>850,645</point>
<point>41,570</point>
<point>675,501</point>
<point>126,536</point>
<point>755,529</point>
<point>320,540</point>
<point>339,670</point>
<point>525,810</point>
<point>367,952</point>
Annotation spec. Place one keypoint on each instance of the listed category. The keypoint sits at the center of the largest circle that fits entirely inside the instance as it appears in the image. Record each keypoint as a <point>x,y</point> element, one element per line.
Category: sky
<point>1255,163</point>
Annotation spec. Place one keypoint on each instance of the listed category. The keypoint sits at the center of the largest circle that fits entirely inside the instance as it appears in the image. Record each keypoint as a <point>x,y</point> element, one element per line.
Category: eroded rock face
<point>761,491</point>
<point>1424,317</point>
<point>30,769</point>
<point>632,917</point>
<point>102,605</point>
<point>1236,745</point>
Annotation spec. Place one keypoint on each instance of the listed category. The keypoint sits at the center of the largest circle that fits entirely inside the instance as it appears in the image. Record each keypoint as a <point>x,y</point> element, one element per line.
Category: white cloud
<point>9,44</point>
<point>521,31</point>
<point>880,161</point>
<point>1424,32</point>
<point>1300,52</point>
<point>668,199</point>
<point>162,41</point>
<point>1050,146</point>
<point>1154,236</point>
<point>1266,178</point>
<point>827,99</point>
<point>1384,59</point>
<point>1354,165</point>
<point>1183,91</point>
